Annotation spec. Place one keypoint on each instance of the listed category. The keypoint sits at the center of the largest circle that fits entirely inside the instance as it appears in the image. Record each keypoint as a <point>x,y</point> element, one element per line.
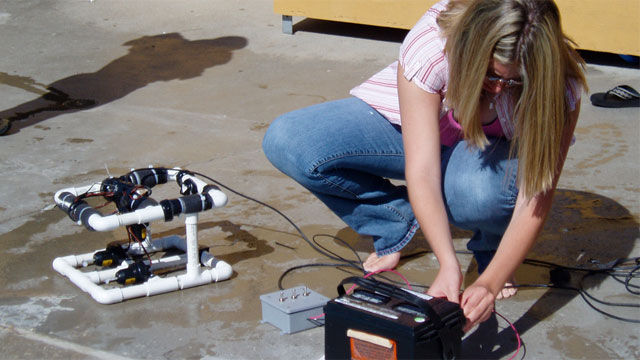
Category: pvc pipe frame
<point>147,214</point>
<point>216,270</point>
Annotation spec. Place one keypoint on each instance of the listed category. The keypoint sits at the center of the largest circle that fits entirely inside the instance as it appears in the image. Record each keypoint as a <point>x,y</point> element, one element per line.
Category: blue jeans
<point>345,152</point>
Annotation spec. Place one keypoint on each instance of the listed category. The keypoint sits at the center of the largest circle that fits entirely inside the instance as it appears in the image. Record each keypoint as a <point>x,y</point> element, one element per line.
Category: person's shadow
<point>150,58</point>
<point>581,228</point>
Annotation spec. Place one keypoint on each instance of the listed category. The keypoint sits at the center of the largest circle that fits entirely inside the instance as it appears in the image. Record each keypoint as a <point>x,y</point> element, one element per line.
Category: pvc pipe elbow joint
<point>219,198</point>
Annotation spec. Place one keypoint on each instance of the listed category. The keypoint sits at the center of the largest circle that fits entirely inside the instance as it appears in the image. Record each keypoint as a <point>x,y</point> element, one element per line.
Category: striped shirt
<point>424,63</point>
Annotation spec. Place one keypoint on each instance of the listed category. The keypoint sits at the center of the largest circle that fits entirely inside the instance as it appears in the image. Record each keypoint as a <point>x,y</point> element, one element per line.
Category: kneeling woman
<point>477,116</point>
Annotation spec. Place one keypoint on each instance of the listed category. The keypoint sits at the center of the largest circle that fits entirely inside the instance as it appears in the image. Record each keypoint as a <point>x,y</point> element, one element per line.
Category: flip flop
<point>5,125</point>
<point>618,97</point>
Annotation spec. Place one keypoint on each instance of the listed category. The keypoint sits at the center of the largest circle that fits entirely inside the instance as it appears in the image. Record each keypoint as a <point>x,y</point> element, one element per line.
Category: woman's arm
<point>420,112</point>
<point>526,223</point>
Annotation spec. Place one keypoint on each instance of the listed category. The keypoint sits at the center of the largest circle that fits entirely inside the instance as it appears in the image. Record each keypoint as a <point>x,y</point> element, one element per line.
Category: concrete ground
<point>195,84</point>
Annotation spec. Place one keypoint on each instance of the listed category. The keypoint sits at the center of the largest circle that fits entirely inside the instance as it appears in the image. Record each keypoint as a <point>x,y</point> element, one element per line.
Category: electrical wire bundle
<point>126,197</point>
<point>624,271</point>
<point>340,261</point>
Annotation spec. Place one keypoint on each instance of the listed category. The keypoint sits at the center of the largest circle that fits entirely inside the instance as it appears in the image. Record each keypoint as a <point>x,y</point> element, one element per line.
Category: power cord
<point>560,274</point>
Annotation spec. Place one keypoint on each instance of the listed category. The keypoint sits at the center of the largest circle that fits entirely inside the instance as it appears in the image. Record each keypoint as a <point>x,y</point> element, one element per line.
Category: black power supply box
<point>381,321</point>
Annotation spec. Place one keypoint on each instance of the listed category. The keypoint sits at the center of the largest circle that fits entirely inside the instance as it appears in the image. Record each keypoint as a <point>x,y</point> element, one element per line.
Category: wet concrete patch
<point>584,226</point>
<point>31,312</point>
<point>207,311</point>
<point>79,141</point>
<point>4,18</point>
<point>567,341</point>
<point>163,57</point>
<point>612,144</point>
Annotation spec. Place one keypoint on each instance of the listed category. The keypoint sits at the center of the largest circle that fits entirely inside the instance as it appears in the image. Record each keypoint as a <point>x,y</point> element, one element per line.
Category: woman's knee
<point>280,142</point>
<point>291,144</point>
<point>474,207</point>
<point>275,139</point>
<point>480,190</point>
<point>471,193</point>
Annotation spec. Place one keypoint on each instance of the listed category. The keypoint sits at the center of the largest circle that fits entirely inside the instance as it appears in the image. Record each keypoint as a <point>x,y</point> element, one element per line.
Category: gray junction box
<point>290,309</point>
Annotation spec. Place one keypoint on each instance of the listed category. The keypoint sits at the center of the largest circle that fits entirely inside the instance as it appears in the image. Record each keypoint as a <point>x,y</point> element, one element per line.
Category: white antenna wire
<point>107,168</point>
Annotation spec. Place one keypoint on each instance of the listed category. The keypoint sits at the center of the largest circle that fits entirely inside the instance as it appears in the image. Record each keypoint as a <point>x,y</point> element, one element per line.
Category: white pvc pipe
<point>215,270</point>
<point>99,222</point>
<point>112,222</point>
<point>193,263</point>
<point>148,214</point>
<point>67,266</point>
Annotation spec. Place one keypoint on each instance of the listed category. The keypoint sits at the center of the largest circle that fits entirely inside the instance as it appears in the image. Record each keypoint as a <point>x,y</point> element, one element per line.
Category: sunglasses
<point>494,80</point>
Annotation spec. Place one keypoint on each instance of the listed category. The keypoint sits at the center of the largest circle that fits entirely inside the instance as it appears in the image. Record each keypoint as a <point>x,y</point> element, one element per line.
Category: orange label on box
<point>366,346</point>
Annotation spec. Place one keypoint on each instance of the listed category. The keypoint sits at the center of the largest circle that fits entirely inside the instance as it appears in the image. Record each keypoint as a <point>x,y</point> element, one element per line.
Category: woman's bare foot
<point>508,291</point>
<point>386,262</point>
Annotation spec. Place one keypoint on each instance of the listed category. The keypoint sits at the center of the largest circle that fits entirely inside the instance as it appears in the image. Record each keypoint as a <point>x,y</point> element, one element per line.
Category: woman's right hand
<point>447,284</point>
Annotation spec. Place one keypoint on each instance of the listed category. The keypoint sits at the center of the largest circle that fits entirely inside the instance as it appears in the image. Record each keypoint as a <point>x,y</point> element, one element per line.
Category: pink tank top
<point>451,132</point>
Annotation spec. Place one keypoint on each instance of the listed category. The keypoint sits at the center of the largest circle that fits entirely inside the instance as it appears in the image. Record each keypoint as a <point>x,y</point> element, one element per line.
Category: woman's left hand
<point>477,304</point>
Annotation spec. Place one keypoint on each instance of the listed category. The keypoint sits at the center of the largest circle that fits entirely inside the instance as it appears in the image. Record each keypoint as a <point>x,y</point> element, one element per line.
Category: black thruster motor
<point>137,272</point>
<point>112,256</point>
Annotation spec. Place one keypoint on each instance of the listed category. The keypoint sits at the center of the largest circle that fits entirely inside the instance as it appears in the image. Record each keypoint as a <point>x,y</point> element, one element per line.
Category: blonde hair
<point>526,33</point>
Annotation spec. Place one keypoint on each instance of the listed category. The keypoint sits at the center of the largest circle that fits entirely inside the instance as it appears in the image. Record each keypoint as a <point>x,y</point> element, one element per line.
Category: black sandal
<point>618,97</point>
